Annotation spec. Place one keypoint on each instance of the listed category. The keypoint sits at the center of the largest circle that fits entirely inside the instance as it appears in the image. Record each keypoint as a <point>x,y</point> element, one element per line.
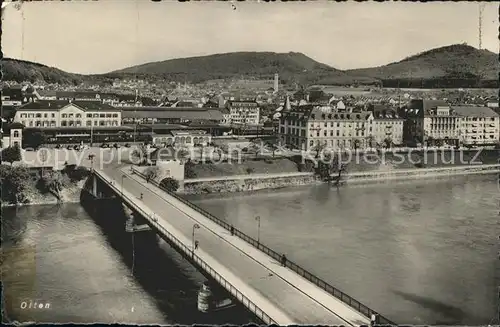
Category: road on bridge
<point>287,294</point>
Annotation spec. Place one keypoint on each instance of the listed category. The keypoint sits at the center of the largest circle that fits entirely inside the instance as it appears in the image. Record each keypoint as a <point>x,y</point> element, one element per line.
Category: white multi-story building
<point>431,122</point>
<point>387,128</point>
<point>305,127</point>
<point>244,112</point>
<point>67,114</point>
<point>478,125</point>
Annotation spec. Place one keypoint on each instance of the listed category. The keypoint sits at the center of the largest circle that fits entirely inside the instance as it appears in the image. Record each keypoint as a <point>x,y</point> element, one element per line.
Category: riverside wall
<point>245,183</point>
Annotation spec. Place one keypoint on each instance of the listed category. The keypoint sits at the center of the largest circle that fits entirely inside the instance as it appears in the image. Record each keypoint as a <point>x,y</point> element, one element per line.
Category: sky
<point>98,37</point>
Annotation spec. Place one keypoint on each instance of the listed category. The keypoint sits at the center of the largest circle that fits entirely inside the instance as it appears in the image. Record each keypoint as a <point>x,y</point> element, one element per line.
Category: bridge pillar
<point>211,298</point>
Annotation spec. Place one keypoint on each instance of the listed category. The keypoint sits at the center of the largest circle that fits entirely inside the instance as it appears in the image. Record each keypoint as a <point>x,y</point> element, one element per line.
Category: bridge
<point>250,272</point>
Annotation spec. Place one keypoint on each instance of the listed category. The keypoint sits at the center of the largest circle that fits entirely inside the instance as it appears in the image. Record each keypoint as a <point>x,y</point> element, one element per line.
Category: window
<point>64,123</point>
<point>38,115</point>
<point>52,123</point>
<point>45,115</point>
<point>16,133</point>
<point>102,115</point>
<point>64,116</point>
<point>115,115</point>
<point>89,115</point>
<point>78,115</point>
<point>53,116</point>
<point>96,115</point>
<point>23,115</point>
<point>108,115</point>
<point>89,123</point>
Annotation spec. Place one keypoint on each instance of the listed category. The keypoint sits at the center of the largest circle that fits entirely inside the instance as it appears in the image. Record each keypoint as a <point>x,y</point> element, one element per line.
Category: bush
<point>14,182</point>
<point>250,170</point>
<point>11,154</point>
<point>151,173</point>
<point>189,170</point>
<point>170,184</point>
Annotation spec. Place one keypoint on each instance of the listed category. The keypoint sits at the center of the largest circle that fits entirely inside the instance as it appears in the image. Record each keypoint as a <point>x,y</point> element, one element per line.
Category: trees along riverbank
<point>22,186</point>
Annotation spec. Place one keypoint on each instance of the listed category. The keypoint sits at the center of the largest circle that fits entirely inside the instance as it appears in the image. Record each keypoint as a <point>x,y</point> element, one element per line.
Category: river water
<point>417,251</point>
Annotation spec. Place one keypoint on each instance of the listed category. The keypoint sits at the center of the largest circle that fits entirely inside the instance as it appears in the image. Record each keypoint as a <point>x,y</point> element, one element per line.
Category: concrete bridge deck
<point>280,293</point>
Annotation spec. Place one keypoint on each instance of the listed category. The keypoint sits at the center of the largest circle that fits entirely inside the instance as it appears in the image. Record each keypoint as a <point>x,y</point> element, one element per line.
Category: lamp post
<point>121,190</point>
<point>195,227</point>
<point>258,228</point>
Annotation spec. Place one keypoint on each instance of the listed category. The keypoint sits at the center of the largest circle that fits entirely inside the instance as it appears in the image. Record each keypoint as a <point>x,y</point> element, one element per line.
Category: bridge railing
<point>360,307</point>
<point>201,263</point>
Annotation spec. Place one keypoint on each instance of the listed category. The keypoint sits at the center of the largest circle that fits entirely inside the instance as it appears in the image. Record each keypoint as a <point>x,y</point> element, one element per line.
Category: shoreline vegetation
<point>37,186</point>
<point>22,186</point>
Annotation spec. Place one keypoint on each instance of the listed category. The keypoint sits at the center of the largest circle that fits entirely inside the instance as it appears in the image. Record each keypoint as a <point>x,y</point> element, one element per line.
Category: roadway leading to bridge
<point>288,295</point>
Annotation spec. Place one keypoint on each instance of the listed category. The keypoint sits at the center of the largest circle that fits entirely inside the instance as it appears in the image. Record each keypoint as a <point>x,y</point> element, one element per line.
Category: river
<point>419,252</point>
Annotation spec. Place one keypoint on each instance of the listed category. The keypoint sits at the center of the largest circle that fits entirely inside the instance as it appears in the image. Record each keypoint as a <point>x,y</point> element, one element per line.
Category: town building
<point>170,115</point>
<point>305,127</point>
<point>183,138</point>
<point>12,135</point>
<point>67,114</point>
<point>431,122</point>
<point>478,125</point>
<point>243,112</point>
<point>387,126</point>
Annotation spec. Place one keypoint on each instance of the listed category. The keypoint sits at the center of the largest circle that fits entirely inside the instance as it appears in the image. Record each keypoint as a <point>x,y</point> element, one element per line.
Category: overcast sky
<point>101,36</point>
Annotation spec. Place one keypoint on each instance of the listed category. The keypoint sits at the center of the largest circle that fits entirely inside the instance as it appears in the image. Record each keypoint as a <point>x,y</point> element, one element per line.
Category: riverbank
<point>247,183</point>
<point>24,186</point>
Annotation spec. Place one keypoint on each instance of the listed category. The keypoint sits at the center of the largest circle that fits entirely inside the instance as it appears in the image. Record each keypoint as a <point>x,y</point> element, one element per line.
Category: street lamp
<point>258,228</point>
<point>121,191</point>
<point>195,226</point>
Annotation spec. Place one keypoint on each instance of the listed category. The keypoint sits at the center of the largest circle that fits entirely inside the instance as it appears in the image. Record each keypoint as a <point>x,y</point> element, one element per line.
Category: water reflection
<point>431,240</point>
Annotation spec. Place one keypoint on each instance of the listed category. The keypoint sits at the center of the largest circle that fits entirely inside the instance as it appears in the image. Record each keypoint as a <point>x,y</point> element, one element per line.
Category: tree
<point>371,140</point>
<point>388,142</point>
<point>182,153</point>
<point>256,146</point>
<point>151,173</point>
<point>11,154</point>
<point>318,148</point>
<point>34,138</point>
<point>357,143</point>
<point>438,142</point>
<point>170,184</point>
<point>141,154</point>
<point>14,182</point>
<point>189,169</point>
<point>273,146</point>
<point>430,141</point>
<point>329,165</point>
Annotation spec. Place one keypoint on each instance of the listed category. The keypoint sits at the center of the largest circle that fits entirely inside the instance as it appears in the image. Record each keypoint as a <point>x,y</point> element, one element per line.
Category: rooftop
<point>177,113</point>
<point>59,104</point>
<point>473,111</point>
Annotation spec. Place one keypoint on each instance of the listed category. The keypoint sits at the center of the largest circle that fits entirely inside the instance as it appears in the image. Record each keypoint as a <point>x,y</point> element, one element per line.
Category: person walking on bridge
<point>196,243</point>
<point>283,260</point>
<point>232,230</point>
